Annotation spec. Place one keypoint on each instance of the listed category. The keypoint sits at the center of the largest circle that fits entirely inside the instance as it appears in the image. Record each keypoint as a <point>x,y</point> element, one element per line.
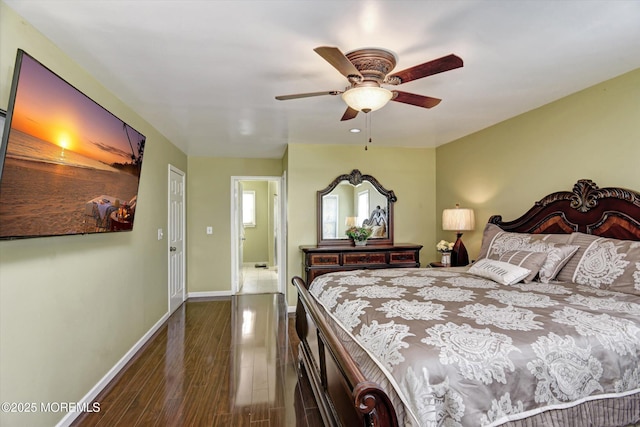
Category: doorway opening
<point>257,234</point>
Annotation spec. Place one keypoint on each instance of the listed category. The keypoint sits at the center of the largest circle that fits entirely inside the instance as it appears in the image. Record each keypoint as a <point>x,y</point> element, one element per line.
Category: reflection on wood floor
<point>216,362</point>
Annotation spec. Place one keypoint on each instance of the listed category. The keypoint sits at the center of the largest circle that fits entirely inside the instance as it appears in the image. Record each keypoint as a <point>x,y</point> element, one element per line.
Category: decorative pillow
<point>558,255</point>
<point>498,271</point>
<point>378,231</point>
<point>515,240</point>
<point>604,263</point>
<point>496,242</point>
<point>530,260</point>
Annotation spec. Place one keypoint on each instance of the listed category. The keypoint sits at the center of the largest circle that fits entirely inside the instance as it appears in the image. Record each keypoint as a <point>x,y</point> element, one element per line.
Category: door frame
<point>281,232</point>
<point>184,236</point>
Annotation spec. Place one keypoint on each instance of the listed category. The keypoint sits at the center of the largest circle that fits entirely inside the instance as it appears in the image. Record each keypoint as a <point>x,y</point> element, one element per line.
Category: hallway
<point>257,280</point>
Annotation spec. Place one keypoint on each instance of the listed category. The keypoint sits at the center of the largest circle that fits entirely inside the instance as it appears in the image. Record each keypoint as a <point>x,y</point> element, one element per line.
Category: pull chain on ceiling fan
<point>367,124</point>
<point>367,70</point>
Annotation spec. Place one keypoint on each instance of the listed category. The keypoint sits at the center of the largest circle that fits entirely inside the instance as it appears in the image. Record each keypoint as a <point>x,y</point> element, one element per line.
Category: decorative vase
<point>446,259</point>
<point>360,242</point>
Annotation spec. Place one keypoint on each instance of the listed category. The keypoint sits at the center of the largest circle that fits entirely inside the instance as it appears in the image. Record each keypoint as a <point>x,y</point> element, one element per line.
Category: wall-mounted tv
<point>67,165</point>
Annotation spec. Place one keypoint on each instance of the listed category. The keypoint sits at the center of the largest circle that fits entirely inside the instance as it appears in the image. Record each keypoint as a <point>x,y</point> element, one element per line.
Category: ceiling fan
<point>367,70</point>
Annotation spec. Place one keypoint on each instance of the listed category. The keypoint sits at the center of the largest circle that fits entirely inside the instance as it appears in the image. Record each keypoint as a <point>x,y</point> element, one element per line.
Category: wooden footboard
<point>345,397</point>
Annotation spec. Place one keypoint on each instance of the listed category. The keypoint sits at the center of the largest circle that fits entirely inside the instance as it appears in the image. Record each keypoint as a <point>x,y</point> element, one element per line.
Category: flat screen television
<point>67,165</point>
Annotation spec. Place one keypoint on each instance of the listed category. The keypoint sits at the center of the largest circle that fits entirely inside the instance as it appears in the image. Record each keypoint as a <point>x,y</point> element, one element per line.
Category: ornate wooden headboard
<point>608,212</point>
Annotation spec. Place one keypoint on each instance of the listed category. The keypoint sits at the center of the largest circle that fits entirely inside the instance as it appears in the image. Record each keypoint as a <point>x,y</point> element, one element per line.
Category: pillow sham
<point>377,231</point>
<point>515,240</point>
<point>496,242</point>
<point>532,261</point>
<point>604,263</point>
<point>498,271</point>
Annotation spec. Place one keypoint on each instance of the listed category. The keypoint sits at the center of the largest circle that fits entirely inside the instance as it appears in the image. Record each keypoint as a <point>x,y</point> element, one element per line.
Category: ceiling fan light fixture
<point>367,98</point>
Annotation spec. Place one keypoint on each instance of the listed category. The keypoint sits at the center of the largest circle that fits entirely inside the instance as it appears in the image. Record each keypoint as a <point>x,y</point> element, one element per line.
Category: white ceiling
<point>205,73</point>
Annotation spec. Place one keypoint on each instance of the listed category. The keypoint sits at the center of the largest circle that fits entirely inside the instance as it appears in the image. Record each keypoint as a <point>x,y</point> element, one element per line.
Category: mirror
<point>355,199</point>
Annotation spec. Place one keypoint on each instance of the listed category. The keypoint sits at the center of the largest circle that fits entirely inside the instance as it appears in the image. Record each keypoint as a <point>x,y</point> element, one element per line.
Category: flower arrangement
<point>359,234</point>
<point>444,246</point>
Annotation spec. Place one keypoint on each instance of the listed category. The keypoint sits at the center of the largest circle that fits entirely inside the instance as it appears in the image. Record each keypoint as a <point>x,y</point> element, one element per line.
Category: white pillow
<point>525,259</point>
<point>499,271</point>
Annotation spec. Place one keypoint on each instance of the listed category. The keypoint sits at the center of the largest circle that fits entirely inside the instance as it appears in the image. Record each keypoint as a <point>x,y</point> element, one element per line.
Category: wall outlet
<point>209,230</point>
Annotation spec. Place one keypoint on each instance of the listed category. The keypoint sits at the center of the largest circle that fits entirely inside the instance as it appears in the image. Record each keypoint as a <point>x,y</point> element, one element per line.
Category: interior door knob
<point>172,248</point>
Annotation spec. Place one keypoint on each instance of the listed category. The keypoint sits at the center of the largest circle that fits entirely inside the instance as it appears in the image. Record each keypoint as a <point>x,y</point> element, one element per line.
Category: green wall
<point>504,169</point>
<point>209,204</point>
<point>72,306</point>
<point>256,245</point>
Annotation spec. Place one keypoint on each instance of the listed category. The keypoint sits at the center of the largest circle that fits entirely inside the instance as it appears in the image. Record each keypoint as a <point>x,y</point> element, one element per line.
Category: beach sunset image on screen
<point>70,166</point>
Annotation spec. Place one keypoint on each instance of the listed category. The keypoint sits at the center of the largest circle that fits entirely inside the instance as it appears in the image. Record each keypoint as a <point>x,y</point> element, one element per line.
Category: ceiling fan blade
<point>306,95</point>
<point>335,57</point>
<point>430,68</point>
<point>413,99</point>
<point>349,114</point>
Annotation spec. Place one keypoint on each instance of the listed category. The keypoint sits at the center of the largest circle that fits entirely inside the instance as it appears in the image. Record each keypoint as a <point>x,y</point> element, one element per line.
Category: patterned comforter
<point>460,350</point>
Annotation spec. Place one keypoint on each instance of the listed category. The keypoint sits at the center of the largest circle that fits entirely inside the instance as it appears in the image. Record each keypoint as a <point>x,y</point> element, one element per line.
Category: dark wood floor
<point>216,362</point>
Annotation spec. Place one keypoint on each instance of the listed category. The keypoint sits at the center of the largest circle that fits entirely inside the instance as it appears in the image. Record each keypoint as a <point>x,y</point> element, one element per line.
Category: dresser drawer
<point>364,258</point>
<point>402,257</point>
<point>324,259</point>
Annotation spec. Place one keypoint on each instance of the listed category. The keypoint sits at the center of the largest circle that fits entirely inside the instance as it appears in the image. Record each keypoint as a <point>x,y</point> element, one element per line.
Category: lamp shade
<point>350,221</point>
<point>367,98</point>
<point>458,219</point>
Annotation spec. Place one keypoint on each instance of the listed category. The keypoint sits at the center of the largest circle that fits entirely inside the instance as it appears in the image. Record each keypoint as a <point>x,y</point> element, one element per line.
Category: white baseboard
<point>291,309</point>
<point>208,294</point>
<point>93,393</point>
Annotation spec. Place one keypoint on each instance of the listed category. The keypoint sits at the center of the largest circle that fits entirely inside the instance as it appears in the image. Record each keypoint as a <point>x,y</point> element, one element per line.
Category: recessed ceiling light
<point>354,130</point>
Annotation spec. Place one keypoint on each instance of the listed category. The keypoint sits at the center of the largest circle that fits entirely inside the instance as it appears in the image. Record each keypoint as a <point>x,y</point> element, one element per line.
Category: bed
<point>542,330</point>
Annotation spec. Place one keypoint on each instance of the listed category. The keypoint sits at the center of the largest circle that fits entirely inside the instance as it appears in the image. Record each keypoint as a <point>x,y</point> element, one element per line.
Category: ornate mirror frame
<point>355,178</point>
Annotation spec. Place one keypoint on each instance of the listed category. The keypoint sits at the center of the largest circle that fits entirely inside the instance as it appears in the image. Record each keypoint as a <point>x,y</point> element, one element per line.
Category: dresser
<point>319,260</point>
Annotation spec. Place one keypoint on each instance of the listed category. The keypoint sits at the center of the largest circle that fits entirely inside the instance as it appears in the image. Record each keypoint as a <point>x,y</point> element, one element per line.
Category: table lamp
<point>458,220</point>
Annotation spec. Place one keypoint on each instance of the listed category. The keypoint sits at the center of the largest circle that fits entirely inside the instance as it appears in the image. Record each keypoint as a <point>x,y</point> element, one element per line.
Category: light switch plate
<point>160,234</point>
<point>209,230</point>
